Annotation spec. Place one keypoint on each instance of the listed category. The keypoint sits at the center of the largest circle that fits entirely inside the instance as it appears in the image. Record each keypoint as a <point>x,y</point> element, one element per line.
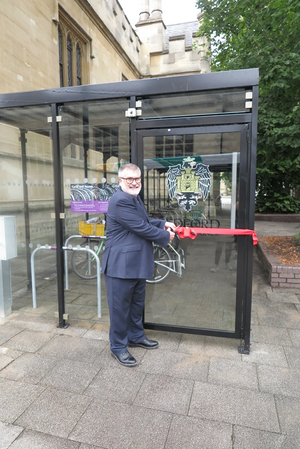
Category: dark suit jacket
<point>130,232</point>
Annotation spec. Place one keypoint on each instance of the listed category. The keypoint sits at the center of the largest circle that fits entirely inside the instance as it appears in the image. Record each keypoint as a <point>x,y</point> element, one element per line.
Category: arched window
<point>78,64</point>
<point>69,59</point>
<point>61,66</point>
<point>73,47</point>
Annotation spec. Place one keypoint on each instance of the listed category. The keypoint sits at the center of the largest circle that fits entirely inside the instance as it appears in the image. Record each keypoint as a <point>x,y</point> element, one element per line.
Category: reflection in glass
<point>188,104</point>
<point>27,188</point>
<point>205,295</point>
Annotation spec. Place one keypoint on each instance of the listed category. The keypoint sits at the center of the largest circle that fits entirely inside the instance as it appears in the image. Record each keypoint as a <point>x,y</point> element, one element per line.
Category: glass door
<point>192,176</point>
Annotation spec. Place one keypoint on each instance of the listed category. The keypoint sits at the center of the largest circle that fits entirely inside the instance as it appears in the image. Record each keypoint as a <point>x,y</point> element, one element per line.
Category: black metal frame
<point>243,242</point>
<point>138,89</point>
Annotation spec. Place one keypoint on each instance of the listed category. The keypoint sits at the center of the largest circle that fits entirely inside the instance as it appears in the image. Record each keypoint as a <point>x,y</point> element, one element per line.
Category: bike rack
<point>66,249</point>
<point>66,253</point>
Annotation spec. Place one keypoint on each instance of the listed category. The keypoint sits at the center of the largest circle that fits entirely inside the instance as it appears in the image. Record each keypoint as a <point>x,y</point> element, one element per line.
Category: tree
<point>252,33</point>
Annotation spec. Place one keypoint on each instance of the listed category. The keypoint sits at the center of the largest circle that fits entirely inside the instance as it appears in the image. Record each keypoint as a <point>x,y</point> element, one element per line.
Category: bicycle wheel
<point>84,263</point>
<point>162,265</point>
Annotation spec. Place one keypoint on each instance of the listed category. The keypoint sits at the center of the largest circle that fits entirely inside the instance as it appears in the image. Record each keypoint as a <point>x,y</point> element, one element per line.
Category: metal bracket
<point>65,315</point>
<point>134,112</point>
<point>58,119</point>
<point>243,350</point>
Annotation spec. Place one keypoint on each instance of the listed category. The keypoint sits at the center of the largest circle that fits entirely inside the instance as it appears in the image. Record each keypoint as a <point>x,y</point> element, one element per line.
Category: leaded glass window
<point>174,146</point>
<point>69,59</point>
<point>78,64</point>
<point>61,67</point>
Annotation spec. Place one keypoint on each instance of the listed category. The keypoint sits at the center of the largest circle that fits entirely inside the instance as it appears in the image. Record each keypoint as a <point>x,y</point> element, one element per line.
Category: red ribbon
<point>184,232</point>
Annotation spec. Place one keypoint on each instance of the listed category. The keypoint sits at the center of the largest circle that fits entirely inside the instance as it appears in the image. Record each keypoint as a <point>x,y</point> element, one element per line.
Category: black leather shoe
<point>146,344</point>
<point>125,359</point>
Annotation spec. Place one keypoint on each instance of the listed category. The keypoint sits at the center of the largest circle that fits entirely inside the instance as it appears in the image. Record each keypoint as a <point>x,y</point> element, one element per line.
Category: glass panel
<point>94,140</point>
<point>189,104</point>
<point>208,165</point>
<point>27,193</point>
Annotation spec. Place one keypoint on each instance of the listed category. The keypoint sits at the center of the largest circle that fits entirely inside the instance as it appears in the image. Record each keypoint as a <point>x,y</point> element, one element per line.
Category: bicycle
<point>166,260</point>
<point>84,263</point>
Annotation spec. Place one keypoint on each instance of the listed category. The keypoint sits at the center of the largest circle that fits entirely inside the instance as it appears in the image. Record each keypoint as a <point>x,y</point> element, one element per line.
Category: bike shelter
<point>61,148</point>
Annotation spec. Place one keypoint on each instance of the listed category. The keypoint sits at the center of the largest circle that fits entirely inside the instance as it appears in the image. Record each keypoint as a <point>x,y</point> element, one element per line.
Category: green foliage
<point>245,34</point>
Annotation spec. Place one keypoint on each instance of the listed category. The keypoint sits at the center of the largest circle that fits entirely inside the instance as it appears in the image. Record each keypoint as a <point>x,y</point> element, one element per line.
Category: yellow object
<point>91,229</point>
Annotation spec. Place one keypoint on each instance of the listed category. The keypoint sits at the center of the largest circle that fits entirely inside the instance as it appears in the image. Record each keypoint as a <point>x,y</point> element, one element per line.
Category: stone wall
<point>111,49</point>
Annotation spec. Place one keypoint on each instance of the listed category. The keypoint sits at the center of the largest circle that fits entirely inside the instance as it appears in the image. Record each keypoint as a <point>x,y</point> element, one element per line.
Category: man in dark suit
<point>128,261</point>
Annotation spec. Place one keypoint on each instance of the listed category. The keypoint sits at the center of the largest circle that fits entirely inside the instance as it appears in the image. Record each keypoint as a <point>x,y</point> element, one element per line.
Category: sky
<point>174,11</point>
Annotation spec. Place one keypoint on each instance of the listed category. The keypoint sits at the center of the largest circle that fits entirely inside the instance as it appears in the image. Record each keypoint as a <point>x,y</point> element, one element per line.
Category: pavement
<point>61,389</point>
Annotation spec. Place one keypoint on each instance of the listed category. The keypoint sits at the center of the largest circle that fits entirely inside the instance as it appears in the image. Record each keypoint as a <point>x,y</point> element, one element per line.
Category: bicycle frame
<point>176,264</point>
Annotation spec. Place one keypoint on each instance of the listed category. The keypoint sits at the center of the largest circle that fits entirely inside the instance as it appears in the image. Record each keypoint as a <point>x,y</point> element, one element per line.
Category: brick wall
<point>278,275</point>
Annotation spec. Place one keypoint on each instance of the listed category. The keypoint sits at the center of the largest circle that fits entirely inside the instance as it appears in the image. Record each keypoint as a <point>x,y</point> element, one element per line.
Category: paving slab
<point>221,347</point>
<point>274,335</point>
<point>29,341</point>
<point>29,368</point>
<point>75,328</point>
<point>192,344</point>
<point>74,348</point>
<point>294,335</point>
<point>288,412</point>
<point>8,330</point>
<point>168,341</point>
<point>279,381</point>
<point>279,315</point>
<point>264,354</point>
<point>99,331</point>
<point>15,397</point>
<point>234,406</point>
<point>283,297</point>
<point>245,438</point>
<point>35,322</point>
<point>89,446</point>
<point>70,375</point>
<point>36,440</point>
<point>191,433</point>
<point>137,427</point>
<point>165,393</point>
<point>293,356</point>
<point>116,383</point>
<point>242,375</point>
<point>54,412</point>
<point>4,361</point>
<point>185,366</point>
<point>10,352</point>
<point>8,434</point>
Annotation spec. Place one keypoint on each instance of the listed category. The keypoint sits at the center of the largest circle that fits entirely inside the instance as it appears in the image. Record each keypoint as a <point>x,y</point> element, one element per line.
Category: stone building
<point>45,45</point>
<point>63,43</point>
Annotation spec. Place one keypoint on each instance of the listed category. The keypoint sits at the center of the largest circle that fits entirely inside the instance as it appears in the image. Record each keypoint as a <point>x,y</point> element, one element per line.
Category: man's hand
<point>172,235</point>
<point>170,225</point>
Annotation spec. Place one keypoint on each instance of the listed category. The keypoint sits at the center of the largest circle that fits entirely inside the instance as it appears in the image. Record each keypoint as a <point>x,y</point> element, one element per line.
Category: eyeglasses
<point>130,180</point>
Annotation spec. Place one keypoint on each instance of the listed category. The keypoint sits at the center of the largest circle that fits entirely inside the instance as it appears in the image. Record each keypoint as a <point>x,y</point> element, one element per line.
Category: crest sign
<point>188,182</point>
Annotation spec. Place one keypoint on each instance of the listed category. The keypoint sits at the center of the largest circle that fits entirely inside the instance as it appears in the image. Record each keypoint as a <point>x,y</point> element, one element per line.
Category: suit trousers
<point>126,299</point>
